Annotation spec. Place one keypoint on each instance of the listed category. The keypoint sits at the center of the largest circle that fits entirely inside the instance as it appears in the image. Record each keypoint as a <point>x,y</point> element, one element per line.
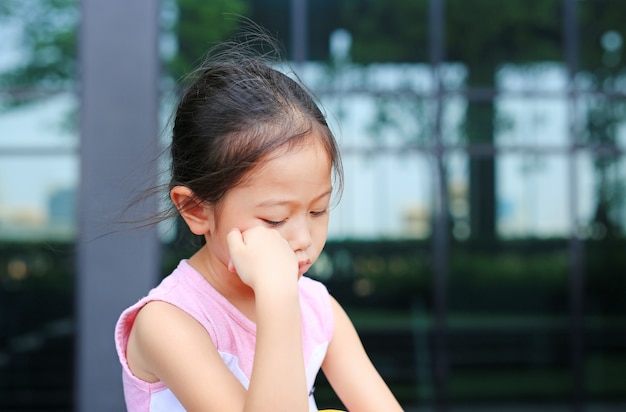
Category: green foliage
<point>596,19</point>
<point>48,42</point>
<point>200,25</point>
<point>482,33</point>
<point>486,32</point>
<point>515,267</point>
<point>386,31</point>
<point>41,266</point>
<point>516,281</point>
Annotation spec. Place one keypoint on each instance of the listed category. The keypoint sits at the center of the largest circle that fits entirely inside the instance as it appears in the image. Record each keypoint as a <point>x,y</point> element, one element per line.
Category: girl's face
<point>290,193</point>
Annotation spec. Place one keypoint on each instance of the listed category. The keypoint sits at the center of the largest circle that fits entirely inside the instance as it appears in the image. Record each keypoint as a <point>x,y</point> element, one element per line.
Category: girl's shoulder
<point>309,284</point>
<point>315,302</point>
<point>183,288</point>
<point>314,292</point>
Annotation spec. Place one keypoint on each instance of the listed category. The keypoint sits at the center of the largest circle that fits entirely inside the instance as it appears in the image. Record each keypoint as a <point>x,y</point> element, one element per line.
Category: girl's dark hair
<point>236,112</point>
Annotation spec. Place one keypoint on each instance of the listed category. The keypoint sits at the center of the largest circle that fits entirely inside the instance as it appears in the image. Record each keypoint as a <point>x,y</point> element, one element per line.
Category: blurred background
<point>479,245</point>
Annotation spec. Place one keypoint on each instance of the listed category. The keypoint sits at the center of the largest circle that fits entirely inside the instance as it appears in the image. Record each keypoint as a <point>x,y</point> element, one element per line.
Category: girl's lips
<point>303,267</point>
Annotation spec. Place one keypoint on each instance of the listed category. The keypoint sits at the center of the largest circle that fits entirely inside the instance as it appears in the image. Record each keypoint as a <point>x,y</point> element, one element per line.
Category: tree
<point>48,30</point>
<point>517,32</point>
<point>480,34</point>
<point>484,35</point>
<point>198,26</point>
<point>602,60</point>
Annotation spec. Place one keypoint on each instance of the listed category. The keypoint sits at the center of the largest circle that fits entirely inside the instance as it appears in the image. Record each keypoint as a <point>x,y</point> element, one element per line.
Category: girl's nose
<point>299,236</point>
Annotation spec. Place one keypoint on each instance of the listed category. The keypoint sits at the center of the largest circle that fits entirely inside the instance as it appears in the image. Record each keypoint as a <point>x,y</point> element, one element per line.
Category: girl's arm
<point>169,345</point>
<point>264,261</point>
<point>350,371</point>
<point>278,381</point>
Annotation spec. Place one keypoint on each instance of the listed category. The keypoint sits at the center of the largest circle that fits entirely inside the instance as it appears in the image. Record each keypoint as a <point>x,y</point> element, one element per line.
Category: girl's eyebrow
<point>278,202</point>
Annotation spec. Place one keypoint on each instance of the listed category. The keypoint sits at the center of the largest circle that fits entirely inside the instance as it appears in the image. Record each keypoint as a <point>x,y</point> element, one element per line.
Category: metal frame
<point>119,128</point>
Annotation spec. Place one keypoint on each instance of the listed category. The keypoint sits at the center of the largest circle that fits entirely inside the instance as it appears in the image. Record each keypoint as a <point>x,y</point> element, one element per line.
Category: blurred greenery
<point>504,344</point>
<point>486,35</point>
<point>198,26</point>
<point>386,31</point>
<point>524,277</point>
<point>39,265</point>
<point>36,287</point>
<point>47,32</point>
<point>47,39</point>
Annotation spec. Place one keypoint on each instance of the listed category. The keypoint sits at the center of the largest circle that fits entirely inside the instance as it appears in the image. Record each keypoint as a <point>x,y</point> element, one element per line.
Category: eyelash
<point>320,213</point>
<point>274,223</point>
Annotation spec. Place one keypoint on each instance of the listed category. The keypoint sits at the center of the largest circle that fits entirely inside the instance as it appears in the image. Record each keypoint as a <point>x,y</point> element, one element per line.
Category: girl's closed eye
<point>274,223</point>
<point>319,212</point>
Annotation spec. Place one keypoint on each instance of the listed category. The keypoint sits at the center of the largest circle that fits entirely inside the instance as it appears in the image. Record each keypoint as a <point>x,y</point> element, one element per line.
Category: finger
<point>234,239</point>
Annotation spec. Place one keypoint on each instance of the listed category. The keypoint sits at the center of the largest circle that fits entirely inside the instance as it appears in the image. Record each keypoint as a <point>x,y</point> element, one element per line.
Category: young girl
<point>237,327</point>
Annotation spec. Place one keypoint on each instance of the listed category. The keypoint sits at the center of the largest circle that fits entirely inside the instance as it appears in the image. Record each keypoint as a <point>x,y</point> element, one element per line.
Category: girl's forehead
<point>310,146</point>
<point>307,163</point>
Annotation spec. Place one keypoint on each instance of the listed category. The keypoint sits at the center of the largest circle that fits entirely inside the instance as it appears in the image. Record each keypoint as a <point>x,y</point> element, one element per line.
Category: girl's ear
<point>197,216</point>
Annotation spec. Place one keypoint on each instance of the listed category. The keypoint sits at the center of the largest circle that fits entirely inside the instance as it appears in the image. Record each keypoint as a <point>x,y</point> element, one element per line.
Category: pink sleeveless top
<point>233,334</point>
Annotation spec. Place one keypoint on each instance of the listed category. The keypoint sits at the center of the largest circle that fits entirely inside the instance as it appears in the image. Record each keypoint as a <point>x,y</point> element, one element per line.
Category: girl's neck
<point>228,284</point>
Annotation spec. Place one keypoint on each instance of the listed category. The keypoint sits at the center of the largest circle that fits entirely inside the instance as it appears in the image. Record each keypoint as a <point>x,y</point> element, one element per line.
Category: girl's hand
<point>261,256</point>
